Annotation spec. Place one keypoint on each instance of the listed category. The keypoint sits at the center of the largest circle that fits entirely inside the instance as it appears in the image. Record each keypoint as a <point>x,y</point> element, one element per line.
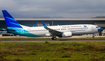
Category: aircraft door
<point>92,28</point>
<point>22,31</point>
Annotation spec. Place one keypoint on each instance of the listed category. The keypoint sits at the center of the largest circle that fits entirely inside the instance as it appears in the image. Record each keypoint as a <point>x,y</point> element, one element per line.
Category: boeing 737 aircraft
<point>61,31</point>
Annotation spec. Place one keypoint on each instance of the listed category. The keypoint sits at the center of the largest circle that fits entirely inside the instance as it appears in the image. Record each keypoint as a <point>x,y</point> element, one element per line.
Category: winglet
<point>34,25</point>
<point>44,25</point>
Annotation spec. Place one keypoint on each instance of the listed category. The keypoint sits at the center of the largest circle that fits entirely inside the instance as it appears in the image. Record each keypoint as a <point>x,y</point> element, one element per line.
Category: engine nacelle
<point>47,35</point>
<point>67,34</point>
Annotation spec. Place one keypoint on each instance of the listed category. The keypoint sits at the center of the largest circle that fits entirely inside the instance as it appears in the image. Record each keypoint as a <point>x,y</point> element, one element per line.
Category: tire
<point>54,38</point>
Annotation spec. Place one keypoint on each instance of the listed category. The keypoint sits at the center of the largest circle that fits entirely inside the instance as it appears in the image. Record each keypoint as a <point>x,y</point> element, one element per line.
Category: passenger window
<point>63,29</point>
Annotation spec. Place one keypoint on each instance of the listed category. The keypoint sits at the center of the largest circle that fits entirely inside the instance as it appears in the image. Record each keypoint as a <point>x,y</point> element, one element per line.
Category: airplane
<point>54,31</point>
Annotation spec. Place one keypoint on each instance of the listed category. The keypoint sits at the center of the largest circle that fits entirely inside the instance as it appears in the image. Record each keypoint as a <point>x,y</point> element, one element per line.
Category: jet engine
<point>67,34</point>
<point>48,35</point>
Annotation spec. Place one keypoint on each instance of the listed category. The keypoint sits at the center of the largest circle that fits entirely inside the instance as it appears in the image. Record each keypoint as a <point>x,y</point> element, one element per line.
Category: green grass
<point>46,51</point>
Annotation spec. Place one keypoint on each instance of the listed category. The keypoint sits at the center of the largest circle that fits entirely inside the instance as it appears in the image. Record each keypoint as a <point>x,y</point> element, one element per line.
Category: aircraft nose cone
<point>100,29</point>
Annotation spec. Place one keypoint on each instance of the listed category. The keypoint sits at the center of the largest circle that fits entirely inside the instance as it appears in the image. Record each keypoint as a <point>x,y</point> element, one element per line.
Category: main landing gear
<point>54,38</point>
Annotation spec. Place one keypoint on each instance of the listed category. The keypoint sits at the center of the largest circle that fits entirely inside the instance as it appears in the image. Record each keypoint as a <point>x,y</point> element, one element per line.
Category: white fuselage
<point>75,29</point>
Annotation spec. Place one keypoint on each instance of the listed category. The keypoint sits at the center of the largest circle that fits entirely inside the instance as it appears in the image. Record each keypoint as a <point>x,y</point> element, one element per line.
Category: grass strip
<point>46,51</point>
<point>40,38</point>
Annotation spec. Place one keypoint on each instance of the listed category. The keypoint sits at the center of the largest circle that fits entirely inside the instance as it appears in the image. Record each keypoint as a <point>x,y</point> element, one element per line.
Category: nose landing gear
<point>93,36</point>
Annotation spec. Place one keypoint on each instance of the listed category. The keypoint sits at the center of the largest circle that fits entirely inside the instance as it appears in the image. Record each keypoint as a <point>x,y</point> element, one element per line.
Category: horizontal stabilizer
<point>2,29</point>
<point>10,30</point>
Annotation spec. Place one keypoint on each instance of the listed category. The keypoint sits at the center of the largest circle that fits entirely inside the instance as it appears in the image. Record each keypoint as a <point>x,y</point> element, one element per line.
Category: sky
<point>53,8</point>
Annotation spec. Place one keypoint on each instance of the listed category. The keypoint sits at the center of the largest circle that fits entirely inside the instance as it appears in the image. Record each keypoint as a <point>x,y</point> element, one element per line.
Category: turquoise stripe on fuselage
<point>21,31</point>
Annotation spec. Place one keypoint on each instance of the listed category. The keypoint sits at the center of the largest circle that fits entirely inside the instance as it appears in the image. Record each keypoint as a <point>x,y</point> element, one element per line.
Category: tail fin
<point>10,21</point>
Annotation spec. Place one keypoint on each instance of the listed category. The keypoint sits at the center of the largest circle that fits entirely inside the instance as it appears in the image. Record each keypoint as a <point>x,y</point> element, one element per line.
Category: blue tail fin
<point>10,21</point>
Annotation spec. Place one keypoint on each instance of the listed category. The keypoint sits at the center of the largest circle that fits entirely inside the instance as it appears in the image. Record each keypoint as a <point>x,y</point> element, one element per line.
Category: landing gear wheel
<point>93,36</point>
<point>54,38</point>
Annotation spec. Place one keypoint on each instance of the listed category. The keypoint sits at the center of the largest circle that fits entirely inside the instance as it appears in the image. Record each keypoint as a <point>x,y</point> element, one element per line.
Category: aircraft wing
<point>53,32</point>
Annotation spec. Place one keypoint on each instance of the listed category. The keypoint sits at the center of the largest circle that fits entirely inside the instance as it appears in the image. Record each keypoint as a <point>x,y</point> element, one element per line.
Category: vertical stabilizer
<point>10,21</point>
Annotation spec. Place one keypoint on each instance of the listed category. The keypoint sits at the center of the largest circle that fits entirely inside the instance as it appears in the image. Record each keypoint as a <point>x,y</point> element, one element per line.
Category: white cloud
<point>64,8</point>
